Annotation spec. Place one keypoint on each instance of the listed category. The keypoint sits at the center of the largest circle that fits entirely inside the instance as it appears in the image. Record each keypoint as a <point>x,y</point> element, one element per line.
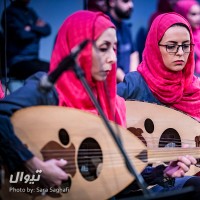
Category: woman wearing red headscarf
<point>97,60</point>
<point>166,73</point>
<point>70,89</point>
<point>191,11</point>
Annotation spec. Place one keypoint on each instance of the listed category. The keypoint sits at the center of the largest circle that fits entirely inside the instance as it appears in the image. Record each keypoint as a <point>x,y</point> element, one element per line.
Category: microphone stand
<point>80,74</point>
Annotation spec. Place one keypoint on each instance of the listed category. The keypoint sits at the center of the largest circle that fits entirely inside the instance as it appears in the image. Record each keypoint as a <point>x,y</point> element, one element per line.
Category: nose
<point>112,58</point>
<point>180,51</point>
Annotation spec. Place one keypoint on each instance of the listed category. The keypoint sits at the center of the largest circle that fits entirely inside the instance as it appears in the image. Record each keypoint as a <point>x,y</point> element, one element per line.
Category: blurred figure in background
<point>97,5</point>
<point>127,56</point>
<point>191,11</point>
<point>23,30</point>
<point>163,6</point>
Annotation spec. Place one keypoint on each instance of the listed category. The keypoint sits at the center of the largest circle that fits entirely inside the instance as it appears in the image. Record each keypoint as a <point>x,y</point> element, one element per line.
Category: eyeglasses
<point>173,48</point>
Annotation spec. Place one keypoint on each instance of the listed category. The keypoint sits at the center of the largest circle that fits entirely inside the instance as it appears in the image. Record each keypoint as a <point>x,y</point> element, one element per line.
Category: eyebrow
<point>177,42</point>
<point>174,42</point>
<point>105,42</point>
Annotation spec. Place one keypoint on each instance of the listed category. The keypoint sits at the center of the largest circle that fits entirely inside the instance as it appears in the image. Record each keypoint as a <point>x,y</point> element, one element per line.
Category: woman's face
<point>194,16</point>
<point>176,35</point>
<point>103,54</point>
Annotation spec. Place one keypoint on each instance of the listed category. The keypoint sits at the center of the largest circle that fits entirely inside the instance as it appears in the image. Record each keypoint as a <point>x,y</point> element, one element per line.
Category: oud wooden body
<point>36,126</point>
<point>160,126</point>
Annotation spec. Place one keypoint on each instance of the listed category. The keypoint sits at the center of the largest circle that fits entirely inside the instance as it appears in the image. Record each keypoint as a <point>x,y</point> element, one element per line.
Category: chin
<point>177,68</point>
<point>100,78</point>
<point>103,79</point>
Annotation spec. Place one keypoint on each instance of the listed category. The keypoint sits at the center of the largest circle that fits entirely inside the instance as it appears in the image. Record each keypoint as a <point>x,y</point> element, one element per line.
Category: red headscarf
<point>183,7</point>
<point>76,28</point>
<point>1,91</point>
<point>180,90</point>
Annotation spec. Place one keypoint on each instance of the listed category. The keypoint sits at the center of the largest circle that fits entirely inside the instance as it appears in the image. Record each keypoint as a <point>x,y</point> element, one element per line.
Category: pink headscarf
<point>76,28</point>
<point>180,90</point>
<point>1,91</point>
<point>183,7</point>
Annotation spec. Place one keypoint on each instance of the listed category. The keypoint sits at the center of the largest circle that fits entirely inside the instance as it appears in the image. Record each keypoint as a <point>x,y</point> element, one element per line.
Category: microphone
<point>47,81</point>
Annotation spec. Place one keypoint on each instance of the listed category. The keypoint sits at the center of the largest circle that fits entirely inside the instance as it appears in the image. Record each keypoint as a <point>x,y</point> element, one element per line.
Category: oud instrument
<point>95,166</point>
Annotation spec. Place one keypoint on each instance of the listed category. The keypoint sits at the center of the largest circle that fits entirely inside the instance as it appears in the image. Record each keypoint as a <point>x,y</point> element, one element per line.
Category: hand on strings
<point>180,167</point>
<point>52,172</point>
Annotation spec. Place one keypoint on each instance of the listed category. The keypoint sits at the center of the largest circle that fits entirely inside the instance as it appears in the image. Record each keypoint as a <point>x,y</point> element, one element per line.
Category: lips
<point>179,62</point>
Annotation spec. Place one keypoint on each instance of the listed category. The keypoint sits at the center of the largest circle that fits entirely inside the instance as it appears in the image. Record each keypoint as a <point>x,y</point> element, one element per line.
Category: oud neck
<point>171,153</point>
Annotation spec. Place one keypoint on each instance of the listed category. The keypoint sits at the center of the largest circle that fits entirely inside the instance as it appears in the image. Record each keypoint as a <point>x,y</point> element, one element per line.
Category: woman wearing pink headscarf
<point>191,11</point>
<point>166,73</point>
<point>97,61</point>
<point>70,89</point>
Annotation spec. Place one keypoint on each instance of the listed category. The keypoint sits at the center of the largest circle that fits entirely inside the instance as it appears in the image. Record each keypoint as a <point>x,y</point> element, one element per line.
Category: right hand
<point>52,171</point>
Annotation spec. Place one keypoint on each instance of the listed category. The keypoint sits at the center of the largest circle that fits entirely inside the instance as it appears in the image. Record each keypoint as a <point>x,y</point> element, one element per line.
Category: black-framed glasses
<point>173,48</point>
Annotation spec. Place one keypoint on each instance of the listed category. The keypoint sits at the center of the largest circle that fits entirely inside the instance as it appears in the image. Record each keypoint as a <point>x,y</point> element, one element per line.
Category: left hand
<point>180,167</point>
